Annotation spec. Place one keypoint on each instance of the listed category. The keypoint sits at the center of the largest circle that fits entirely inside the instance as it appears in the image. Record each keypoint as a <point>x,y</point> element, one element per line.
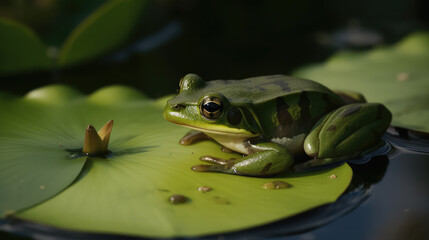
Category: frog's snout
<point>173,112</point>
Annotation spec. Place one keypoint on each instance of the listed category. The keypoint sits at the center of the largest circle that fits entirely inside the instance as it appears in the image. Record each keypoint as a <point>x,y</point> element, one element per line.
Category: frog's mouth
<point>224,131</point>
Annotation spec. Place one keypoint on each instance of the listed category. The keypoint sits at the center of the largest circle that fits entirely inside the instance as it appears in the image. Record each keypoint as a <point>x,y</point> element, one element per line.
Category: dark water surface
<point>398,207</point>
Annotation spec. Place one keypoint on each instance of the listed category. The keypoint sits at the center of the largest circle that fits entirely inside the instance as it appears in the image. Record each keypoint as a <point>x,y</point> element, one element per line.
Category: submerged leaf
<point>396,76</point>
<point>129,191</point>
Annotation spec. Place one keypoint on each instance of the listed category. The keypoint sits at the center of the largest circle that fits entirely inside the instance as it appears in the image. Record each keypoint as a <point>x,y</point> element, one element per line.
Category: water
<point>397,208</point>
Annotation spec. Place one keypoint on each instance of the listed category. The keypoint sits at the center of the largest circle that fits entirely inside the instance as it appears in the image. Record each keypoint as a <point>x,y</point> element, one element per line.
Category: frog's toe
<point>218,161</point>
<point>193,137</point>
<point>219,165</point>
<point>209,168</point>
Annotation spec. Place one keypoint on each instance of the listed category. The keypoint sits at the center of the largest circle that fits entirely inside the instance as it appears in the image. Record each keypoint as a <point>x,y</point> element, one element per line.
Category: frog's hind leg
<point>193,136</point>
<point>345,134</point>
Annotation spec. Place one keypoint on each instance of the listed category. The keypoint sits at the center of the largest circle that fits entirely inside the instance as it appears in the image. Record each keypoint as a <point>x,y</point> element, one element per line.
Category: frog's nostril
<point>177,107</point>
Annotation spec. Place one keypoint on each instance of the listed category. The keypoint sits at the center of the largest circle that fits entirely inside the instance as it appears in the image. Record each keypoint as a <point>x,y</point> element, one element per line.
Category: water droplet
<point>268,185</point>
<point>204,189</point>
<point>178,199</point>
<point>276,185</point>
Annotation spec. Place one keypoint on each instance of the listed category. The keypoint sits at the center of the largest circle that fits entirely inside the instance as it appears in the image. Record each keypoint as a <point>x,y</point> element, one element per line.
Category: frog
<point>273,120</point>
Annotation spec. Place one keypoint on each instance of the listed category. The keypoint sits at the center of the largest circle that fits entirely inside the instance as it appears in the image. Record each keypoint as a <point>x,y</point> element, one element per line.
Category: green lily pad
<point>20,49</point>
<point>105,29</point>
<point>34,165</point>
<point>128,192</point>
<point>396,76</point>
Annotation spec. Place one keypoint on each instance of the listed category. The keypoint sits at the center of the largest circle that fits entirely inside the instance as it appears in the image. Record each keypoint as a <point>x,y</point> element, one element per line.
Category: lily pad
<point>34,166</point>
<point>397,76</point>
<point>20,49</point>
<point>105,29</point>
<point>128,191</point>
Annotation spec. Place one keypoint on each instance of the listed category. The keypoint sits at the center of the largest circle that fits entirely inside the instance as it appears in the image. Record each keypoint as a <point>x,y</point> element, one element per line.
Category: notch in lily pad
<point>96,143</point>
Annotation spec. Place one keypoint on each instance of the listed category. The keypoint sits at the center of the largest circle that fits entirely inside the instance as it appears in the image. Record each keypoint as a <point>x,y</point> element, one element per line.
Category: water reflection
<point>408,139</point>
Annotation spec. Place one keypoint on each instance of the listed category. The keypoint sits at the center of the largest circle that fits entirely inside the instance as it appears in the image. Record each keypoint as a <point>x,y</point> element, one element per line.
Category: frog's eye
<point>211,107</point>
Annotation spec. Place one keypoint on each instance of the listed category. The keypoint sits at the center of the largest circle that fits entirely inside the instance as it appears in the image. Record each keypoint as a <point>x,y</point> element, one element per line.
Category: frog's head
<point>200,105</point>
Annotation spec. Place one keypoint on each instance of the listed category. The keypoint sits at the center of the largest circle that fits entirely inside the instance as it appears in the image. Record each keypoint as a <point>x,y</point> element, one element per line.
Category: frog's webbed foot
<point>219,164</point>
<point>346,133</point>
<point>192,137</point>
<point>267,159</point>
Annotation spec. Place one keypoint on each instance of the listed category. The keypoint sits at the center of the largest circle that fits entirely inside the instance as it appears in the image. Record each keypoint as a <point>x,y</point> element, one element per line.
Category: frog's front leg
<point>192,137</point>
<point>264,159</point>
<point>345,133</point>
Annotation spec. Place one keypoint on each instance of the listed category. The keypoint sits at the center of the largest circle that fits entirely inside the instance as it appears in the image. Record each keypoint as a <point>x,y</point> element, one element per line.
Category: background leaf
<point>106,28</point>
<point>128,192</point>
<point>20,49</point>
<point>396,76</point>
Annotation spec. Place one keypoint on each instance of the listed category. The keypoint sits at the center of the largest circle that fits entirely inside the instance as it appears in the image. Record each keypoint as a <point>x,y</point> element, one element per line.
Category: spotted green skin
<point>280,117</point>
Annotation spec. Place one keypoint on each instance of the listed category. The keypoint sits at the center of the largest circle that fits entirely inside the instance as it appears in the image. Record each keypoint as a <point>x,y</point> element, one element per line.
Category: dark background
<point>239,39</point>
<point>215,39</point>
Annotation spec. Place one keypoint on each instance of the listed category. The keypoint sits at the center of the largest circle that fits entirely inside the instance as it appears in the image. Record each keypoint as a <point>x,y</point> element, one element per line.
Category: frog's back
<point>284,106</point>
<point>258,90</point>
<point>286,116</point>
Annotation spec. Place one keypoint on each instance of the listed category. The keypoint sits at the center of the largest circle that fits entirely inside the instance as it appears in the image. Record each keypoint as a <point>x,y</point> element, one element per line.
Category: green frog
<point>271,119</point>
